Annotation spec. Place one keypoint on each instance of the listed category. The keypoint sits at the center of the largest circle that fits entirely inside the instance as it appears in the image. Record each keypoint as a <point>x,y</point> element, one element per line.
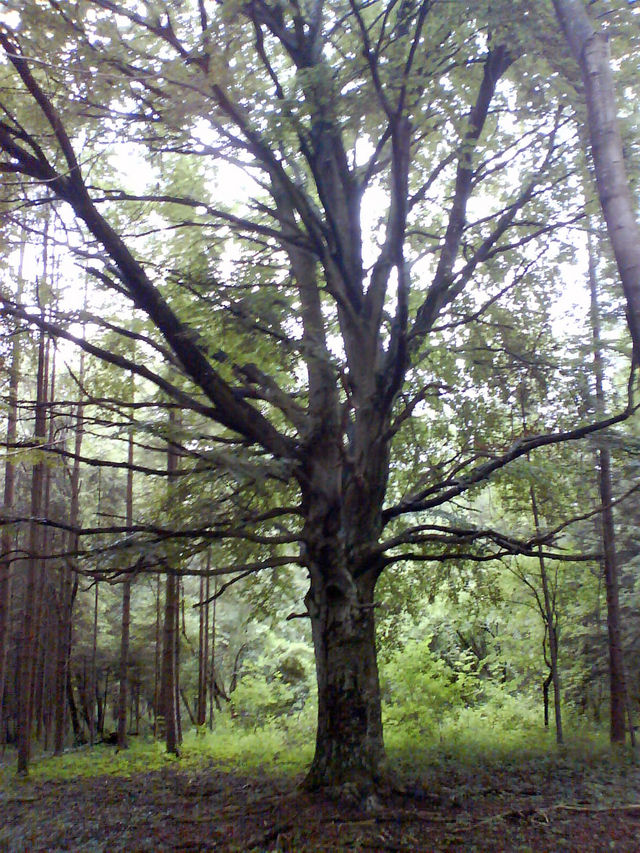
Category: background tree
<point>589,47</point>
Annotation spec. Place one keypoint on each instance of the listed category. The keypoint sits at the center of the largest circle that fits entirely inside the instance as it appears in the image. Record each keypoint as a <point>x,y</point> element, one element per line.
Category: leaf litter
<point>535,806</point>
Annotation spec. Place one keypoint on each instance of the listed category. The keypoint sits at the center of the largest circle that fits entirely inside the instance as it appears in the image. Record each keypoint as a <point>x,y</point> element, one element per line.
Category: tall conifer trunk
<point>157,669</point>
<point>6,539</point>
<point>126,605</point>
<point>168,690</point>
<point>68,590</point>
<point>203,644</point>
<point>617,679</point>
<point>29,624</point>
<point>43,597</point>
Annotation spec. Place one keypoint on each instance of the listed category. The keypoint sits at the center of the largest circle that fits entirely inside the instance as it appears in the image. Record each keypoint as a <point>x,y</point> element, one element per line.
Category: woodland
<point>318,333</point>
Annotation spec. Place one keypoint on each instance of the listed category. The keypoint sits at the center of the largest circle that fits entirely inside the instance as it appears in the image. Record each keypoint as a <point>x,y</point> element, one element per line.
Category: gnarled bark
<point>349,742</point>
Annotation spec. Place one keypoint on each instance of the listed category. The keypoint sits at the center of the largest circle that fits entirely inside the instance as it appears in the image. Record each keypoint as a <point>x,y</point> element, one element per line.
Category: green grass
<point>477,739</point>
<point>506,737</point>
<point>273,749</point>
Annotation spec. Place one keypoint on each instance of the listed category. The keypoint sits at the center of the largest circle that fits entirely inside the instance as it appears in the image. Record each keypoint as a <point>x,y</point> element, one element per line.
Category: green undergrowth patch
<point>473,740</point>
<point>285,750</point>
<point>273,749</point>
<point>506,739</point>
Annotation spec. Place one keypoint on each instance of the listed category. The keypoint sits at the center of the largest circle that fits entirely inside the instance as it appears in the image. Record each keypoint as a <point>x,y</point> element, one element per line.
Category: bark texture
<point>349,742</point>
<point>591,50</point>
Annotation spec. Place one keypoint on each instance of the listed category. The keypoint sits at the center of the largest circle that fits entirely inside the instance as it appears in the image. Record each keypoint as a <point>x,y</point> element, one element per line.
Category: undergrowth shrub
<point>420,689</point>
<point>274,688</point>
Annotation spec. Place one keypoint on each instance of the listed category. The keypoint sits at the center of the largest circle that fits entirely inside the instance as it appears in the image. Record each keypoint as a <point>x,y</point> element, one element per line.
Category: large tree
<point>590,48</point>
<point>398,180</point>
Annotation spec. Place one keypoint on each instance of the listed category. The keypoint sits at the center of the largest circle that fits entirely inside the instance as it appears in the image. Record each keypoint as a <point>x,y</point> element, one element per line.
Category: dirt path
<point>455,809</point>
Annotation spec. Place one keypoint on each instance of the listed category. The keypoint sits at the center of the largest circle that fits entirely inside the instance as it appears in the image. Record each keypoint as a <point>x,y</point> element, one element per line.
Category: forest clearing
<point>319,337</point>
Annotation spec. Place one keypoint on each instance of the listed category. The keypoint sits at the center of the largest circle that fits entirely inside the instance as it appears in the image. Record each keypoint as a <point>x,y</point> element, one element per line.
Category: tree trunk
<point>69,588</point>
<point>126,604</point>
<point>137,707</point>
<point>168,682</point>
<point>203,645</point>
<point>73,710</point>
<point>93,674</point>
<point>342,510</point>
<point>102,704</point>
<point>349,743</point>
<point>124,663</point>
<point>176,653</point>
<point>617,680</point>
<point>68,591</point>
<point>591,51</point>
<point>157,661</point>
<point>6,540</point>
<point>545,698</point>
<point>550,618</point>
<point>185,700</point>
<point>171,615</point>
<point>212,678</point>
<point>28,644</point>
<point>43,591</point>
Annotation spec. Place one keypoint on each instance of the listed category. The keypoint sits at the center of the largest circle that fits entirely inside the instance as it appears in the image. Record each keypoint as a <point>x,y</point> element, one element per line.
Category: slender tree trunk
<point>69,589</point>
<point>124,665</point>
<point>179,593</point>
<point>28,644</point>
<point>102,704</point>
<point>6,539</point>
<point>551,624</point>
<point>50,628</point>
<point>617,680</point>
<point>73,710</point>
<point>545,697</point>
<point>169,683</point>
<point>93,674</point>
<point>126,609</point>
<point>157,672</point>
<point>185,701</point>
<point>203,627</point>
<point>212,679</point>
<point>591,51</point>
<point>205,650</point>
<point>43,596</point>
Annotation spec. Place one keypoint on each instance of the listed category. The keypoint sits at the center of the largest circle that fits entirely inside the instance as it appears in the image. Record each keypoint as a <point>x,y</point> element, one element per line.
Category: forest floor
<point>550,804</point>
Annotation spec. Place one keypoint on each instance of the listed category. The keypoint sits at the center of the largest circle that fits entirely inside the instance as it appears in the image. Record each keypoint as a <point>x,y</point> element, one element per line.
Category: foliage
<point>420,689</point>
<point>275,686</point>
